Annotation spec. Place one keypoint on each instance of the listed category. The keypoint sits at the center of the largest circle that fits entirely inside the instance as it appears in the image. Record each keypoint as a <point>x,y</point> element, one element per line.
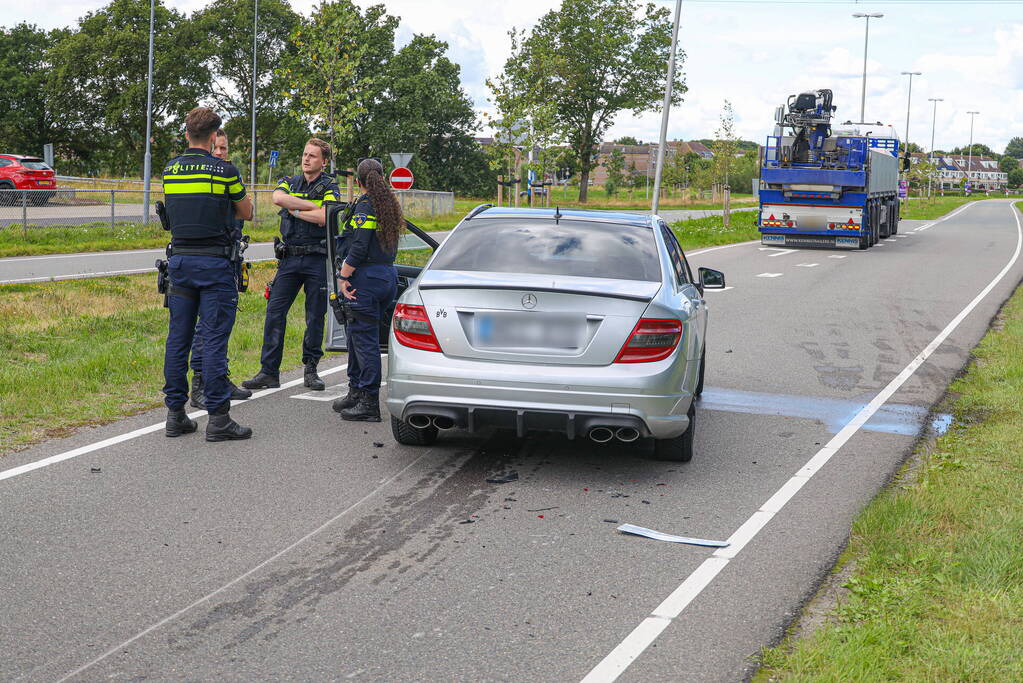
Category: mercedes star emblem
<point>529,301</point>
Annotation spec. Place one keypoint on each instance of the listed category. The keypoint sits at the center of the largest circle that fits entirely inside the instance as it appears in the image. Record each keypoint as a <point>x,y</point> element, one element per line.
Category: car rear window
<point>35,164</point>
<point>541,247</point>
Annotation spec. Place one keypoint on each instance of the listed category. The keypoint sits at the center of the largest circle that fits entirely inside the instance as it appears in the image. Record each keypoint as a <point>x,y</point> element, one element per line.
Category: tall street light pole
<point>667,108</point>
<point>909,103</point>
<point>147,164</point>
<point>255,28</point>
<point>934,119</point>
<point>969,164</point>
<point>866,42</point>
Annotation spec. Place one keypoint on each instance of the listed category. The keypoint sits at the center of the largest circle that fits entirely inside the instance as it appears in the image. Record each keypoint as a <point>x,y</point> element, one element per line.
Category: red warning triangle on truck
<point>851,222</point>
<point>771,218</point>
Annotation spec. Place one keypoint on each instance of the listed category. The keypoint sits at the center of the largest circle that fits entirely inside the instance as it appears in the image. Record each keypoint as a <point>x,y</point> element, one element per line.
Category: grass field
<point>929,209</point>
<point>937,590</point>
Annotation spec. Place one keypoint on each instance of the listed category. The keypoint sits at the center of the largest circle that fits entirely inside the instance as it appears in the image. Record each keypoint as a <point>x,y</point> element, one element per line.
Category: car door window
<point>675,256</point>
<point>5,162</point>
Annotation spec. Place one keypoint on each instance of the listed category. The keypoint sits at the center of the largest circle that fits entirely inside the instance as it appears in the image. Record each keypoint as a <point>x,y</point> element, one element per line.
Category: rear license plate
<point>847,242</point>
<point>529,330</point>
<point>772,239</point>
<point>45,182</point>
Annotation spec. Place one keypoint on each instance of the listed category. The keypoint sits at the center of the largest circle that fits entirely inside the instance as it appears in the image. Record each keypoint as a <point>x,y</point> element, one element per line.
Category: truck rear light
<point>412,328</point>
<point>789,224</point>
<point>652,339</point>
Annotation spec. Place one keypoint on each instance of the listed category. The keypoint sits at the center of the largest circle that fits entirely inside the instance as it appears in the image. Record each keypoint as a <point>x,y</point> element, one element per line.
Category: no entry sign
<point>401,178</point>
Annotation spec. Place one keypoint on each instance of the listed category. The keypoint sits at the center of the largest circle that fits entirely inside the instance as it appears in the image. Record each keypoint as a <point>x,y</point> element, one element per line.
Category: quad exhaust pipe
<point>605,434</point>
<point>419,421</point>
<point>443,422</point>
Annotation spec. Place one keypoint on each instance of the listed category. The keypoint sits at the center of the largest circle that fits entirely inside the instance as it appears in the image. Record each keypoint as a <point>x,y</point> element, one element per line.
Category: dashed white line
<point>782,253</point>
<point>619,659</point>
<point>723,289</point>
<point>807,265</point>
<point>770,275</point>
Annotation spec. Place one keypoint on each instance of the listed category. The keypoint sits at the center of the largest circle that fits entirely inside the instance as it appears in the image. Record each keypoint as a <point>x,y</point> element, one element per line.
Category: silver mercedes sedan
<point>586,323</point>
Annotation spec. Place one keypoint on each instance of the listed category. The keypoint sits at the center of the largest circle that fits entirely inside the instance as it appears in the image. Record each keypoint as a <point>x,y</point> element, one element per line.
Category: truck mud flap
<point>810,241</point>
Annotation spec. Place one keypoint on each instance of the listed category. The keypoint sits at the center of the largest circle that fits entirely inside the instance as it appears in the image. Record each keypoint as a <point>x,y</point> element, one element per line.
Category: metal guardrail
<point>113,209</point>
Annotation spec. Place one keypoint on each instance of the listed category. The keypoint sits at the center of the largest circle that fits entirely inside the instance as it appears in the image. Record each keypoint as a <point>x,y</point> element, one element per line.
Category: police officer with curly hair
<point>369,280</point>
<point>302,264</point>
<point>203,195</point>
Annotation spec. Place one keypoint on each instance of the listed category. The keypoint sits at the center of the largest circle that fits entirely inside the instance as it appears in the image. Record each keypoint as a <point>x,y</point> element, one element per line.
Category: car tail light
<point>412,328</point>
<point>651,340</point>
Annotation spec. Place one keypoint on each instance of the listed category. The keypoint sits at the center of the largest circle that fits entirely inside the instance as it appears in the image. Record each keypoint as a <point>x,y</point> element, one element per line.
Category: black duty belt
<point>304,249</point>
<point>224,252</point>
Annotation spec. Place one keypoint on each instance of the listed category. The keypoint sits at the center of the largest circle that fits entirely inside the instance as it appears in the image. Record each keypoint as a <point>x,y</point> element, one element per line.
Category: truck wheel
<point>884,228</point>
<point>407,435</point>
<point>895,217</point>
<point>679,448</point>
<point>864,242</point>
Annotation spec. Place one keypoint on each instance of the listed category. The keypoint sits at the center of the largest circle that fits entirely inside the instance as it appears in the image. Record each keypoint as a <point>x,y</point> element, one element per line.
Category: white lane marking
<point>723,289</point>
<point>837,256</point>
<point>91,254</point>
<point>328,394</point>
<point>807,265</point>
<point>878,244</point>
<point>770,275</point>
<point>945,217</point>
<point>209,596</point>
<point>644,635</point>
<point>782,253</point>
<point>121,438</point>
<point>723,246</point>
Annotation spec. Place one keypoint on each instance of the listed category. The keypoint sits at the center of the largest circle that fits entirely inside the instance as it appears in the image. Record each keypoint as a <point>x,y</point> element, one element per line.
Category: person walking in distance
<point>369,281</point>
<point>203,194</point>
<point>197,399</point>
<point>304,264</point>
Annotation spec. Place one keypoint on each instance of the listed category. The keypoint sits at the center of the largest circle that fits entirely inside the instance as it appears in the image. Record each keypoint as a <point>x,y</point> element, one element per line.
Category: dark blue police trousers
<point>293,273</point>
<point>375,288</point>
<point>195,360</point>
<point>201,287</point>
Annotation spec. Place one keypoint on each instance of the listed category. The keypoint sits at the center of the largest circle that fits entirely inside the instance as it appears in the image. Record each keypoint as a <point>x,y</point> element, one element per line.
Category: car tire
<point>703,369</point>
<point>679,448</point>
<point>407,435</point>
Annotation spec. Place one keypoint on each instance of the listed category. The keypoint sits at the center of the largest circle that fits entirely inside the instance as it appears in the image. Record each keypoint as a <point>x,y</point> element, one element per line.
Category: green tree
<point>322,74</point>
<point>1008,163</point>
<point>594,59</point>
<point>26,123</point>
<point>725,147</point>
<point>98,82</point>
<point>227,26</point>
<point>627,140</point>
<point>1015,148</point>
<point>979,150</point>
<point>615,165</point>
<point>913,148</point>
<point>1016,178</point>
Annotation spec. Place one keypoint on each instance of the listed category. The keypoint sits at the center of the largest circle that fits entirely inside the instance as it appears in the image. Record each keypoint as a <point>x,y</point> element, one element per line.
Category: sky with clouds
<point>755,54</point>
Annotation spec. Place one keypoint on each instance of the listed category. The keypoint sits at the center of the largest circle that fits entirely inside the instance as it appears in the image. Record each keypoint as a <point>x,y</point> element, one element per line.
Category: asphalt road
<point>322,550</point>
<point>21,269</point>
<point>71,214</point>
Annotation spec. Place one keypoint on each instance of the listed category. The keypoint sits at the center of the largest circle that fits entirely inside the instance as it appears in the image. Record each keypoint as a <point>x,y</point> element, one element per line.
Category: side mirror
<point>711,279</point>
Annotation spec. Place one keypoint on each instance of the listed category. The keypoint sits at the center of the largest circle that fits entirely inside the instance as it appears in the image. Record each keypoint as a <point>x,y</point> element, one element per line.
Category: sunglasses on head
<point>376,159</point>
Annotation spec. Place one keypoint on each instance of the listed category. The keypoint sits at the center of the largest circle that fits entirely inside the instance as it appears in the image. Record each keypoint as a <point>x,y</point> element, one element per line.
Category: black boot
<point>222,428</point>
<point>237,393</point>
<point>367,409</point>
<point>178,423</point>
<point>312,380</point>
<point>262,381</point>
<point>198,397</point>
<point>347,401</point>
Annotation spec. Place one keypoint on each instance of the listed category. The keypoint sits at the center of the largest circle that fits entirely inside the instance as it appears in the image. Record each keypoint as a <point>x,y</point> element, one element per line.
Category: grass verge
<point>928,209</point>
<point>91,351</point>
<point>710,231</point>
<point>937,593</point>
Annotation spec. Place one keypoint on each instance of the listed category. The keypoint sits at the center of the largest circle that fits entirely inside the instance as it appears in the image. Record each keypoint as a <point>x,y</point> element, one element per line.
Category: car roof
<point>634,219</point>
<point>20,157</point>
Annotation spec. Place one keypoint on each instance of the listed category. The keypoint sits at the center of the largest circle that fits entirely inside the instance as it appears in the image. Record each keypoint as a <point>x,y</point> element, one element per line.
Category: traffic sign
<point>903,188</point>
<point>401,178</point>
<point>273,158</point>
<point>401,159</point>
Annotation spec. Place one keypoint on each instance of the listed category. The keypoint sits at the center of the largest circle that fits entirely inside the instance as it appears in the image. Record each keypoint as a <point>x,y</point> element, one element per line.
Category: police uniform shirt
<point>295,230</point>
<point>200,191</point>
<point>361,235</point>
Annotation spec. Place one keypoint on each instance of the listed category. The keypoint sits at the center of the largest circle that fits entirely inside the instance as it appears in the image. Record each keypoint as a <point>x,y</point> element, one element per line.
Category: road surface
<point>322,550</point>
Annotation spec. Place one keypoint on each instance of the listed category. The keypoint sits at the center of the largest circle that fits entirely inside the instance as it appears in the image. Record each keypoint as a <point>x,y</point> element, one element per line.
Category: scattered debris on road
<point>378,444</point>
<point>95,469</point>
<point>504,478</point>
<point>659,536</point>
<point>543,509</point>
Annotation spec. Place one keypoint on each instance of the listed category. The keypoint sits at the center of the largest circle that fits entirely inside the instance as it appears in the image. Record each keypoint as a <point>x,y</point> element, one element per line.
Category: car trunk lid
<point>532,318</point>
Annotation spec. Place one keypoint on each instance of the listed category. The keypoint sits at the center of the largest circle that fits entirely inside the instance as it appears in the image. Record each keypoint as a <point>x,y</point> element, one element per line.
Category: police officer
<point>220,150</point>
<point>301,199</point>
<point>369,280</point>
<point>203,194</point>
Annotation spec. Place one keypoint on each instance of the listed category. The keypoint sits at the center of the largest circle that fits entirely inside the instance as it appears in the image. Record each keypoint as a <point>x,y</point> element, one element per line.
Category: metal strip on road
<point>622,656</point>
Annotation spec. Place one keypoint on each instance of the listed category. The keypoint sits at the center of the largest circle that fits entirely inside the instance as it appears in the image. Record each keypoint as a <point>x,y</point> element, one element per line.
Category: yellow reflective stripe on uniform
<point>194,188</point>
<point>330,197</point>
<point>368,222</point>
<point>236,188</point>
<point>283,185</point>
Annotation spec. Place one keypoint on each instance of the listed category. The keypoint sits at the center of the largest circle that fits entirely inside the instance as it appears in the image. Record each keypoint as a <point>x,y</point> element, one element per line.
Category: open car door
<point>414,250</point>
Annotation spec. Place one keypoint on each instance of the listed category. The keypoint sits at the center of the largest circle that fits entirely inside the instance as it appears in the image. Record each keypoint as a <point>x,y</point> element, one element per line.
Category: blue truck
<point>826,189</point>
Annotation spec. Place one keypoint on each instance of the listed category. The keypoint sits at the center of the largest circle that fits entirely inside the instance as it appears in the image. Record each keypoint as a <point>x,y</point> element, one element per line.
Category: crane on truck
<point>824,188</point>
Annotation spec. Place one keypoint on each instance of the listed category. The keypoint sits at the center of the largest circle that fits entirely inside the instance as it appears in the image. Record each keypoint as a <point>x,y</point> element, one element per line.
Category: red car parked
<point>19,172</point>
